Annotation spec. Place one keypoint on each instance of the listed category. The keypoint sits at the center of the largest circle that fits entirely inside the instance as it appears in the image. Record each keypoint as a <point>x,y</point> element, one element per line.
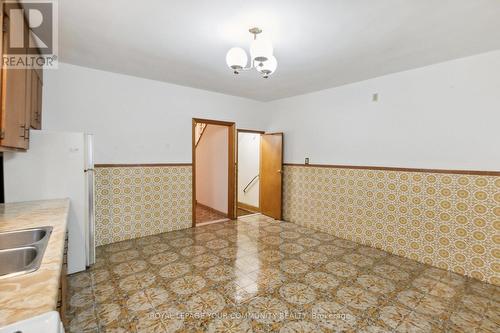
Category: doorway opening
<point>248,169</point>
<point>213,154</point>
<point>264,176</point>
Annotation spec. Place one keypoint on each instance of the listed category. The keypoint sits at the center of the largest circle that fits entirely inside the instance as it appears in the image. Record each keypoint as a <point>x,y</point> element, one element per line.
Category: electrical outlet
<point>375,97</point>
<point>306,161</point>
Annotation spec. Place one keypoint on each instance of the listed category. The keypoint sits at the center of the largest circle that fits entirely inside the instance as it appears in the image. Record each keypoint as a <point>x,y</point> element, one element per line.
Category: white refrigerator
<point>58,165</point>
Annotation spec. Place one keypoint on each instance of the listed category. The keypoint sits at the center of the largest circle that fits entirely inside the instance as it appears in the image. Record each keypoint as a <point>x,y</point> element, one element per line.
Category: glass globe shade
<point>236,58</point>
<point>261,49</point>
<point>268,67</point>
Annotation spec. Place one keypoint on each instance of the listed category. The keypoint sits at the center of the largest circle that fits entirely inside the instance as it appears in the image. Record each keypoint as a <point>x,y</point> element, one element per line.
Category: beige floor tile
<point>259,275</point>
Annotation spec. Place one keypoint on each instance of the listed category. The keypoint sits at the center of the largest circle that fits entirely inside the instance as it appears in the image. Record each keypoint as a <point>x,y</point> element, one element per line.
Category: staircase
<point>198,132</point>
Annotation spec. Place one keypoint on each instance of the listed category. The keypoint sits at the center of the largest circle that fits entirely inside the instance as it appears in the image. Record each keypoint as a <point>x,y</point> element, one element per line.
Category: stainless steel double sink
<point>21,251</point>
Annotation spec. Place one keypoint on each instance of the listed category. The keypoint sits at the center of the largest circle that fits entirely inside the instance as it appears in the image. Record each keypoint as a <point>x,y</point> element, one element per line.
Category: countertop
<point>25,296</point>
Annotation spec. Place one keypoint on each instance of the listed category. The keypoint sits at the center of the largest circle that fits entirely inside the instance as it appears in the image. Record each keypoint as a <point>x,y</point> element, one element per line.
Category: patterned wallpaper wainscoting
<point>137,201</point>
<point>451,221</point>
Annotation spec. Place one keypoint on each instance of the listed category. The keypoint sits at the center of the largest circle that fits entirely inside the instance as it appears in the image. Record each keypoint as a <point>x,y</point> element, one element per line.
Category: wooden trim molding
<point>240,130</point>
<point>248,207</point>
<point>141,165</point>
<point>213,122</point>
<point>231,205</point>
<point>231,198</point>
<point>458,172</point>
<point>5,149</point>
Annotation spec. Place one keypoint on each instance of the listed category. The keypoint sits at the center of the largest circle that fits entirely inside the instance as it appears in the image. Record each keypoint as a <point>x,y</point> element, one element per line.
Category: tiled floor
<point>204,214</point>
<point>260,275</point>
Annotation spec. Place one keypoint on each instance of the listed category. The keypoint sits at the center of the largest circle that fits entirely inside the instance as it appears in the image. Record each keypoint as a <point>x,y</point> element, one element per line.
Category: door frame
<point>238,131</point>
<point>231,165</point>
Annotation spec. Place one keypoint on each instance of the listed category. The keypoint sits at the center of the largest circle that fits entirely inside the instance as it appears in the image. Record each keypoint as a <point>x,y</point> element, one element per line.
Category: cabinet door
<point>28,106</point>
<point>13,103</point>
<point>13,108</point>
<point>39,101</point>
<point>37,84</point>
<point>34,99</point>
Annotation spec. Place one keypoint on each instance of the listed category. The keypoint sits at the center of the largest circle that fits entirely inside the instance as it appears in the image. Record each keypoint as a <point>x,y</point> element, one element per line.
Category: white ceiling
<point>318,43</point>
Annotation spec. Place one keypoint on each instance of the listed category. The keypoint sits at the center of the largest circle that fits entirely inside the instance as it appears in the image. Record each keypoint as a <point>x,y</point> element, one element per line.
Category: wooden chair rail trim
<point>142,165</point>
<point>380,168</point>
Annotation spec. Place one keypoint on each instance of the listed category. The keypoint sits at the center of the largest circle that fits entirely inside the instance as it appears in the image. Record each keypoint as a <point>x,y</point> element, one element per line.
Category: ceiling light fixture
<point>261,56</point>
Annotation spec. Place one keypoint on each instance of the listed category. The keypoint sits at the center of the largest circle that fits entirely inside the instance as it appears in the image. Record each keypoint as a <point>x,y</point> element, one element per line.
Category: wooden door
<point>271,171</point>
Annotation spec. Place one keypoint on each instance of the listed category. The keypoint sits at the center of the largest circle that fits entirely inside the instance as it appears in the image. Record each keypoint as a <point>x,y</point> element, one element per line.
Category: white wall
<point>212,168</point>
<point>441,116</point>
<point>248,167</point>
<point>52,169</point>
<point>136,120</point>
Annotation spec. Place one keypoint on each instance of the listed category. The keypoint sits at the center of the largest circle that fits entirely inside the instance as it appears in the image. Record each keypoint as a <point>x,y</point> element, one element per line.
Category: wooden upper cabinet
<point>13,103</point>
<point>21,98</point>
<point>28,108</point>
<point>34,102</point>
<point>36,98</point>
<point>38,81</point>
